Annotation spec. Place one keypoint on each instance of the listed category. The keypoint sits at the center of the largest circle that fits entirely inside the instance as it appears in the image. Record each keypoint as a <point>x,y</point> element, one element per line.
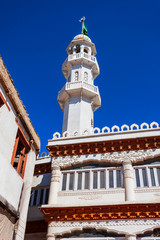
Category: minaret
<point>79,98</point>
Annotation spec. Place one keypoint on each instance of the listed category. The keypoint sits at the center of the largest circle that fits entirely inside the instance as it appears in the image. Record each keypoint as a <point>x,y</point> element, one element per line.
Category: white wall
<point>81,70</point>
<point>10,181</point>
<point>77,115</point>
<point>24,203</point>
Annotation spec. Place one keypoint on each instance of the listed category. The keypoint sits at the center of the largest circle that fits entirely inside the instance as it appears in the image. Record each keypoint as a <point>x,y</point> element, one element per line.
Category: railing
<point>39,196</point>
<point>72,85</point>
<point>78,84</point>
<point>147,176</point>
<point>79,55</point>
<point>61,91</point>
<point>91,87</point>
<point>105,178</point>
<point>101,178</point>
<point>64,62</point>
<point>81,84</point>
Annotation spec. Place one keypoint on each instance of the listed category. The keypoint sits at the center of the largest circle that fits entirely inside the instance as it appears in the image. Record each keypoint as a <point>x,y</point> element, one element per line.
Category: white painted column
<point>55,184</point>
<point>50,233</point>
<point>89,51</point>
<point>128,174</point>
<point>50,236</point>
<point>82,49</point>
<point>130,237</point>
<point>74,49</point>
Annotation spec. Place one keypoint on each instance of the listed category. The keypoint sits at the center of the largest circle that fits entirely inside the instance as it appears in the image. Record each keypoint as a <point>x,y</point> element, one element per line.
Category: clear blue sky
<point>34,36</point>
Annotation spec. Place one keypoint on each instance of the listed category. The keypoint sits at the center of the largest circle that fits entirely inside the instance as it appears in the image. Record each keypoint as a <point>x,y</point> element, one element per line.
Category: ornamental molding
<point>147,190</point>
<point>56,175</point>
<point>111,157</point>
<point>121,227</point>
<point>90,193</point>
<point>91,197</point>
<point>121,212</point>
<point>106,130</point>
<point>101,224</point>
<point>133,156</point>
<point>55,179</point>
<point>128,173</point>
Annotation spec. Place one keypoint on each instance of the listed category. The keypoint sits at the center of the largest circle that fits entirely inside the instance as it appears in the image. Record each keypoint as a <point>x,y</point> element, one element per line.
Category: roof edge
<point>13,95</point>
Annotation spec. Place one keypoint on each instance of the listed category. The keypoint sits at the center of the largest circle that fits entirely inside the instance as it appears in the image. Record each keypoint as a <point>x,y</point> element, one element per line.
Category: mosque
<point>101,184</point>
<point>94,184</point>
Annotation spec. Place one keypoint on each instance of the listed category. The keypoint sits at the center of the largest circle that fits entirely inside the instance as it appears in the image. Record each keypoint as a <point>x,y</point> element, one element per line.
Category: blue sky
<point>33,42</point>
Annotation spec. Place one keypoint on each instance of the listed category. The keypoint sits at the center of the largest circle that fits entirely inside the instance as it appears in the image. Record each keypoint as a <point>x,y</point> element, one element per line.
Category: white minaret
<point>79,98</point>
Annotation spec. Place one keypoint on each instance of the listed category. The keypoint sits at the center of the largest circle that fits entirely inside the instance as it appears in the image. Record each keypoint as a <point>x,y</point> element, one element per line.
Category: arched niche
<point>89,233</point>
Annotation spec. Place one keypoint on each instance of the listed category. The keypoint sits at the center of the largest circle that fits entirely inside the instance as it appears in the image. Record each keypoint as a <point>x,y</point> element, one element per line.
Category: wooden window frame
<point>2,100</point>
<point>24,152</point>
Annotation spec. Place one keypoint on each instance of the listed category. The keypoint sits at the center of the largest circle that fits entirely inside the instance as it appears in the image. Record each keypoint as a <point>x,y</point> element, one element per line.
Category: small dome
<point>82,36</point>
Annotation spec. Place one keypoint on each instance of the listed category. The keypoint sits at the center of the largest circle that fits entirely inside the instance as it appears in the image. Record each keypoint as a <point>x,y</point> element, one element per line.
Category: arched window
<point>86,77</point>
<point>70,51</point>
<point>76,76</point>
<point>69,78</point>
<point>77,48</point>
<point>86,50</point>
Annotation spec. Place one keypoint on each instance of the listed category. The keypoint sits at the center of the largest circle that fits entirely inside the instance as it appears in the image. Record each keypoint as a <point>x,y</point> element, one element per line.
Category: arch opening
<point>151,233</point>
<point>77,50</point>
<point>86,50</point>
<point>89,233</point>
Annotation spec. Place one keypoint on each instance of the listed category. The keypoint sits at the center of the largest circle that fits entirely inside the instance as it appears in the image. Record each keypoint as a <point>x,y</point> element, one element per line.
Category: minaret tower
<point>79,98</point>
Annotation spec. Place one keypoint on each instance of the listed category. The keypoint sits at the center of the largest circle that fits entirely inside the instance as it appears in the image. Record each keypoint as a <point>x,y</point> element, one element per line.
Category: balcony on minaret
<point>78,58</point>
<point>81,51</point>
<point>79,87</point>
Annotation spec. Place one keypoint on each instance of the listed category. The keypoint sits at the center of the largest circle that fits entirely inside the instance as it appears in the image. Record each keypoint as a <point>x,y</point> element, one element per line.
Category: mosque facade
<point>94,184</point>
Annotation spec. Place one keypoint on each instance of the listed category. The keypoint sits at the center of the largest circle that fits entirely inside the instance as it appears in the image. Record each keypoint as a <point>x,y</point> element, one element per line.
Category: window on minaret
<point>86,50</point>
<point>76,76</point>
<point>86,77</point>
<point>70,51</point>
<point>69,78</point>
<point>20,152</point>
<point>77,48</point>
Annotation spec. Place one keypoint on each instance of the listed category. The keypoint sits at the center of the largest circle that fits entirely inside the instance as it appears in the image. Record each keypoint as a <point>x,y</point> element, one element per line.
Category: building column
<point>89,51</point>
<point>55,184</point>
<point>50,236</point>
<point>82,48</point>
<point>74,49</point>
<point>128,174</point>
<point>130,237</point>
<point>50,233</point>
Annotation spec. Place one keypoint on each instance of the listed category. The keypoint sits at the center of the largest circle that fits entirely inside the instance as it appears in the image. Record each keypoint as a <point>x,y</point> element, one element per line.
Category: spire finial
<point>84,28</point>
